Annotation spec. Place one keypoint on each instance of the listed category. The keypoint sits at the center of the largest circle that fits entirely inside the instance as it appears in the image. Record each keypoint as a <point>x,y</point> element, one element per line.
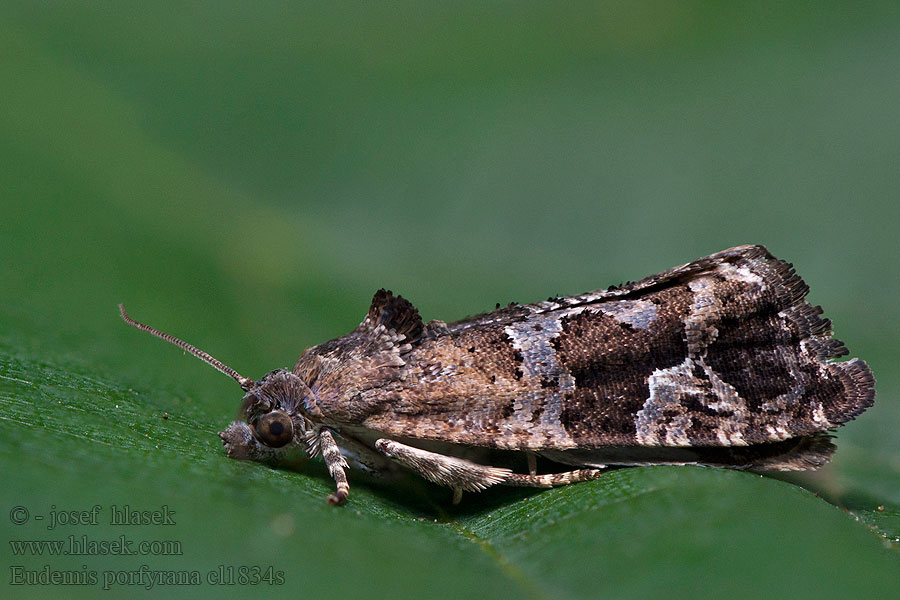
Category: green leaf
<point>73,441</point>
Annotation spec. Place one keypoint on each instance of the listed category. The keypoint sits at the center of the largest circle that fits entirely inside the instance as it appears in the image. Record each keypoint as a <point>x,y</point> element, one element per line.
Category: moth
<point>718,362</point>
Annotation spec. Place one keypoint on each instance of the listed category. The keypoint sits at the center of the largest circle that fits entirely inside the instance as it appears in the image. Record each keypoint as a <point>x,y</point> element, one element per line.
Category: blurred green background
<point>245,176</point>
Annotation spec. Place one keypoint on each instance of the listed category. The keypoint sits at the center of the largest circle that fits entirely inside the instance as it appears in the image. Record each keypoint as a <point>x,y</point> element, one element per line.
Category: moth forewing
<point>718,362</point>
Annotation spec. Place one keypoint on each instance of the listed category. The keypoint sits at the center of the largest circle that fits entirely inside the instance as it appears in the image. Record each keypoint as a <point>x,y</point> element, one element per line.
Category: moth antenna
<point>246,383</point>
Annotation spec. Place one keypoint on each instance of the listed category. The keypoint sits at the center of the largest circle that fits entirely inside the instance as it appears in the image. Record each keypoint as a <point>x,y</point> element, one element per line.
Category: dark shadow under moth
<point>718,362</point>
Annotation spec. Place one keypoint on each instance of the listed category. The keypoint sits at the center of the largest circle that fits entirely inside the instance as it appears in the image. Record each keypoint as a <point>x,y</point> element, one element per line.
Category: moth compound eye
<point>275,429</point>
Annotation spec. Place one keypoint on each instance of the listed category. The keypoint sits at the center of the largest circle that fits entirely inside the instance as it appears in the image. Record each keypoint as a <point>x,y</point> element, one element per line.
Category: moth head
<point>272,417</point>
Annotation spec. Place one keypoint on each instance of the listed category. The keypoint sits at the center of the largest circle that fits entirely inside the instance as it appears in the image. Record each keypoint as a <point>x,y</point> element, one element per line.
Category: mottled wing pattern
<point>720,352</point>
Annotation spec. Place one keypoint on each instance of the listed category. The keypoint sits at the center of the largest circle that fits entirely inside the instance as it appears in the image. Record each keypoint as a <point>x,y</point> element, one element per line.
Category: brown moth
<point>718,362</point>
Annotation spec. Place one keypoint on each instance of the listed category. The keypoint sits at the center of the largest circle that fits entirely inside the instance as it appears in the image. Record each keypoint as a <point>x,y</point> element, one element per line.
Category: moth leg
<point>362,456</point>
<point>336,464</point>
<point>456,473</point>
<point>552,479</point>
<point>532,462</point>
